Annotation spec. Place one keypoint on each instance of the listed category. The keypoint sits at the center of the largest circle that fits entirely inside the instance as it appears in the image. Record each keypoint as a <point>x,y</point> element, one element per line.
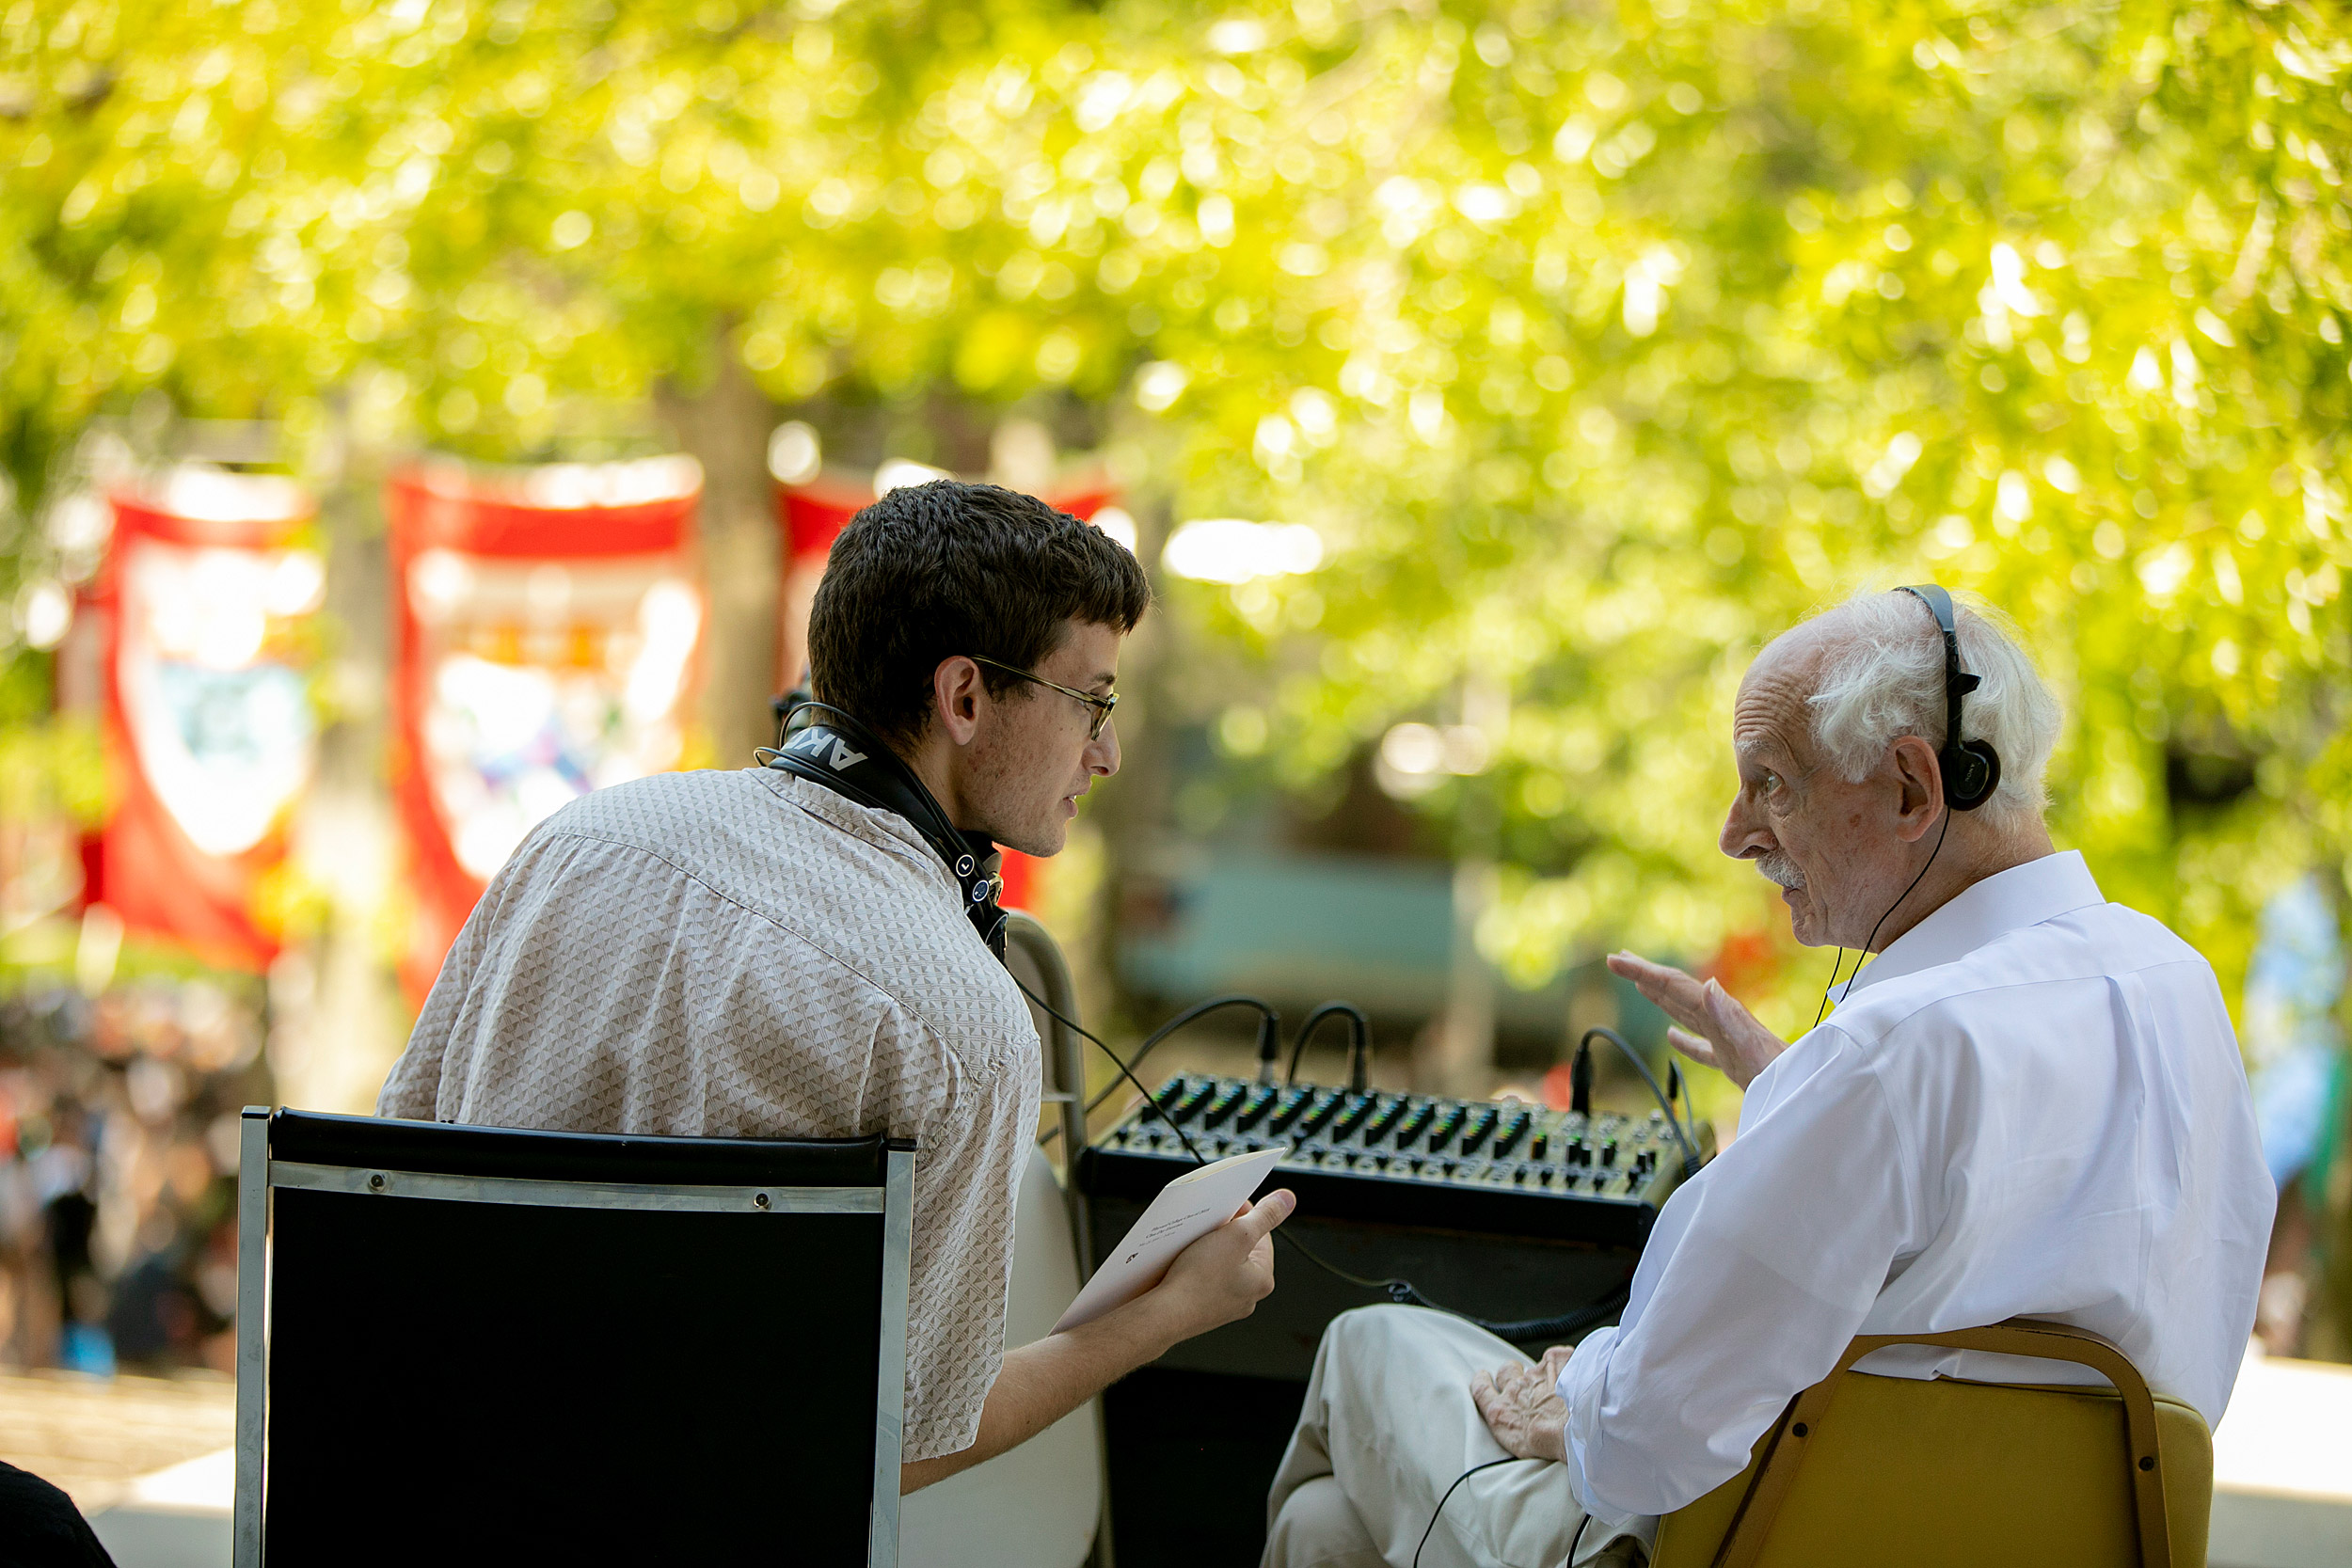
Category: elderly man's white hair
<point>1882,677</point>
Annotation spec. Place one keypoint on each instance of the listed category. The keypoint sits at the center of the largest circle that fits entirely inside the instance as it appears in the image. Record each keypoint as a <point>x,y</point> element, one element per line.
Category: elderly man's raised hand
<point>1714,1029</point>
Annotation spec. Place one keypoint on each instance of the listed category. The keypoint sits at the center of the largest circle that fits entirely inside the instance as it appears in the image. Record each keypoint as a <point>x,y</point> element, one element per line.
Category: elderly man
<point>2030,1104</point>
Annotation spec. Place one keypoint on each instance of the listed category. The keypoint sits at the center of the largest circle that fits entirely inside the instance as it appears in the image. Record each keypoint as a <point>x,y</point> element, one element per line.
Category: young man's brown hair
<point>934,570</point>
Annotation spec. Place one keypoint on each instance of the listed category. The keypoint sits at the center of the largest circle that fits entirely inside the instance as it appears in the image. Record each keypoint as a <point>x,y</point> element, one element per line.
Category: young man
<point>754,955</point>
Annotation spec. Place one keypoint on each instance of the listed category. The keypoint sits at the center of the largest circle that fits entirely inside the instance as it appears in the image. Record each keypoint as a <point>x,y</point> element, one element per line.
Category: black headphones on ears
<point>829,746</point>
<point>1972,769</point>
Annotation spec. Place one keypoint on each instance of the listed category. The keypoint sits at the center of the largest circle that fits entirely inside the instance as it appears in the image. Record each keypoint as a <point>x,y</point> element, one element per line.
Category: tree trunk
<point>337,1022</point>
<point>725,426</point>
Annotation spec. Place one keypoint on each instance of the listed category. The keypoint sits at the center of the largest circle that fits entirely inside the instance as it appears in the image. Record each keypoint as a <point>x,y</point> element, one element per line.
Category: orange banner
<point>207,597</point>
<point>550,632</point>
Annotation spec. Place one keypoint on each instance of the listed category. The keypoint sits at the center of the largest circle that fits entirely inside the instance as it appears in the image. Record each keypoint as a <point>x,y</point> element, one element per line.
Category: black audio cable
<point>1359,1049</point>
<point>1507,1459</point>
<point>1403,1292</point>
<point>1580,1080</point>
<point>1269,1022</point>
<point>1864,956</point>
<point>1269,1026</point>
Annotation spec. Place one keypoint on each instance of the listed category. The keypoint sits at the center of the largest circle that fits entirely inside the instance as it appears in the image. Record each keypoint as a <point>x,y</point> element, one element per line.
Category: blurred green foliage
<point>1598,341</point>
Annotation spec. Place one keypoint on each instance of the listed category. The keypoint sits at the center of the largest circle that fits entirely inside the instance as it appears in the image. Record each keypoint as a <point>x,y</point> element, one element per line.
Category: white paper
<point>1187,1210</point>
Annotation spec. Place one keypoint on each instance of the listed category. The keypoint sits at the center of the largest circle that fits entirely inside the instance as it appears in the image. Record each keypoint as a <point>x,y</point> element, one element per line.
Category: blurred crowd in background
<point>118,1174</point>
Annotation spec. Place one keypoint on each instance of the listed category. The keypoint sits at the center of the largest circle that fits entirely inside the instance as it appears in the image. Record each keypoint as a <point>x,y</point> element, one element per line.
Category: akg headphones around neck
<point>841,753</point>
<point>1972,769</point>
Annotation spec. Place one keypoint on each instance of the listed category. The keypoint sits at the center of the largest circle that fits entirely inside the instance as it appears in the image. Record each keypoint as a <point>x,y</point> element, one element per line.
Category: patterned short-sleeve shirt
<point>750,955</point>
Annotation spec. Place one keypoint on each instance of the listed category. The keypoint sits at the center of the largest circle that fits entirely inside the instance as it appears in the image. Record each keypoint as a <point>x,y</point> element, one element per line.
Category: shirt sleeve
<point>412,1090</point>
<point>1761,1270</point>
<point>967,1174</point>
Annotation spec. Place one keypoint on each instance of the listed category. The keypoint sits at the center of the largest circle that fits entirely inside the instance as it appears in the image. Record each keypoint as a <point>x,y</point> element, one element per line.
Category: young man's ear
<point>956,691</point>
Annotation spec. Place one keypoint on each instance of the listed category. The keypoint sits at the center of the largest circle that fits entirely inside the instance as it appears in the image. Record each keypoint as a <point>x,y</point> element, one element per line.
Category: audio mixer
<point>1505,1210</point>
<point>1406,1159</point>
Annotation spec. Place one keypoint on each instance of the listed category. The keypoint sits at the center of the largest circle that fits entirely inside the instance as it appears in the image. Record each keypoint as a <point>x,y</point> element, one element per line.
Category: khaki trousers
<point>1387,1427</point>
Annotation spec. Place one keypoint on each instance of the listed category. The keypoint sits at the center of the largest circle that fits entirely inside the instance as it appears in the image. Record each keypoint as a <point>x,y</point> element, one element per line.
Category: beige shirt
<point>750,955</point>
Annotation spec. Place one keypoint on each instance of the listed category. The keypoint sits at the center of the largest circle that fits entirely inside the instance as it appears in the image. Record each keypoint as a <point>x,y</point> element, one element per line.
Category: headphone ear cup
<point>1974,773</point>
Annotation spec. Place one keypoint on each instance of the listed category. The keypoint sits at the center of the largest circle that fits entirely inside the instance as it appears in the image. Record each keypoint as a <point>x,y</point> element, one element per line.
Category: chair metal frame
<point>1743,1542</point>
<point>259,1174</point>
<point>1065,1055</point>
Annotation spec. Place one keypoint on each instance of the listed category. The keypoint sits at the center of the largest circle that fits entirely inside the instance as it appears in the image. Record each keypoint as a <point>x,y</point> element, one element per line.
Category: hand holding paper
<point>1187,1209</point>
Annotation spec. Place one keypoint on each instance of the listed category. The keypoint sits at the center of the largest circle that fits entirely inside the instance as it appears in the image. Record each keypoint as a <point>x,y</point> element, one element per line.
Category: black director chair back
<point>464,1345</point>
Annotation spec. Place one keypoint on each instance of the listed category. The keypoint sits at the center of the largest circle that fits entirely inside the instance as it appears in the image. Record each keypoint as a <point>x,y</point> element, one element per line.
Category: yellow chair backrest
<point>1861,1471</point>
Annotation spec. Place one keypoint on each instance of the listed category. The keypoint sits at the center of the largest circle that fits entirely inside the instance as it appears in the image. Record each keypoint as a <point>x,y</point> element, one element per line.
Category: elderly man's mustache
<point>1781,870</point>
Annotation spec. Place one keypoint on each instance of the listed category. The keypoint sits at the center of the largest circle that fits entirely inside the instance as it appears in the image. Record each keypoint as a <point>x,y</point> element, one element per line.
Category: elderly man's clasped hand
<point>1523,1408</point>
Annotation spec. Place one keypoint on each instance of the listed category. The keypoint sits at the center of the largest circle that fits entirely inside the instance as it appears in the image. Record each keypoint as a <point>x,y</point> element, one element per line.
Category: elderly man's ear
<point>1921,780</point>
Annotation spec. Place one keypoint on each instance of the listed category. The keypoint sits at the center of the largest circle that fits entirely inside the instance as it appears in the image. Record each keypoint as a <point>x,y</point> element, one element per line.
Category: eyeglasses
<point>1102,706</point>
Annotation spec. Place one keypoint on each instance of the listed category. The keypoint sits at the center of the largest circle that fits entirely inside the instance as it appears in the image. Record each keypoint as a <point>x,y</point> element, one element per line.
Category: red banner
<point>205,601</point>
<point>812,516</point>
<point>551,632</point>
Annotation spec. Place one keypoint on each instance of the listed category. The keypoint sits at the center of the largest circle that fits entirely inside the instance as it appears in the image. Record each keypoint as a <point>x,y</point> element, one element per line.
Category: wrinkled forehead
<point>1772,715</point>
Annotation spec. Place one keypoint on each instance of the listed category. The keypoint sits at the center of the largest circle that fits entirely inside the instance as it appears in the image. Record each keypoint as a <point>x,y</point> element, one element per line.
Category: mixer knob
<point>1536,1150</point>
<point>1609,1151</point>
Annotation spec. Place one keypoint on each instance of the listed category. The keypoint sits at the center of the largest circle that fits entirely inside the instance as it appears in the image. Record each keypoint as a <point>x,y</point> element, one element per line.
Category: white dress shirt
<point>749,955</point>
<point>2030,1106</point>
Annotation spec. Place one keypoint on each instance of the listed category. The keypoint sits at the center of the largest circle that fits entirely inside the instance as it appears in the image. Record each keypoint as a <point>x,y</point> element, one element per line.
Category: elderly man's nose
<point>1743,837</point>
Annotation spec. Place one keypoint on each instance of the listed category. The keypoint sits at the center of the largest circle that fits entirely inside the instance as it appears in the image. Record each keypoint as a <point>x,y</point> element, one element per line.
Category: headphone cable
<point>1823,1011</point>
<point>1866,949</point>
<point>1506,1459</point>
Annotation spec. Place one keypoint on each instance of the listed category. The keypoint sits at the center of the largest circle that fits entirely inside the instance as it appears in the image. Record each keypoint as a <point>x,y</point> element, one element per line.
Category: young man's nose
<point>1103,751</point>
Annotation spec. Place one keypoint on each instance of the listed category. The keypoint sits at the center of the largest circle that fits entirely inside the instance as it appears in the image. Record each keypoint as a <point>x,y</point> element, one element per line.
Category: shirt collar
<point>2029,895</point>
<point>884,830</point>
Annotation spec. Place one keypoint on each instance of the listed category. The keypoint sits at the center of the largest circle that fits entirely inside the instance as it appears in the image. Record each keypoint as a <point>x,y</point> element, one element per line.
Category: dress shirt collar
<point>884,830</point>
<point>2023,895</point>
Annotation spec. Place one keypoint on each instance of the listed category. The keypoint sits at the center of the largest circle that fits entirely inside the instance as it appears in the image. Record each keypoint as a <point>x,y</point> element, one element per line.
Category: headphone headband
<point>1972,769</point>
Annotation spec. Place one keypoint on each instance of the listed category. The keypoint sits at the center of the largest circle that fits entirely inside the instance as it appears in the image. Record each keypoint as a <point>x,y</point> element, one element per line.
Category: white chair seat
<point>1035,1507</point>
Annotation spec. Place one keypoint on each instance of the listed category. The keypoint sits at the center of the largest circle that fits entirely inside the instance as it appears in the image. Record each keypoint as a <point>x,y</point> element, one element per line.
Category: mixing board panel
<point>1505,1167</point>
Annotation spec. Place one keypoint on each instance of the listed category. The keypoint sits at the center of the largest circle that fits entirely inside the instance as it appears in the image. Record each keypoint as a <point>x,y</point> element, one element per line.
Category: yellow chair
<point>1863,1470</point>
